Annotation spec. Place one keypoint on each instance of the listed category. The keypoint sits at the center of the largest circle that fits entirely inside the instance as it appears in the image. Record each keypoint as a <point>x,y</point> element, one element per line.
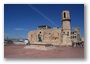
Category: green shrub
<point>9,42</point>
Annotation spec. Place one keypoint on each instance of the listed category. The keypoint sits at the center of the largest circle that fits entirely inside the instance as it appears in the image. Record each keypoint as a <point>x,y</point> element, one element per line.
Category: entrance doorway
<point>39,38</point>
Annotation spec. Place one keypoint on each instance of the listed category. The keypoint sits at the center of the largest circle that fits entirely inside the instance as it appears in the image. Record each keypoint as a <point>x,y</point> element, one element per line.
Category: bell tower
<point>66,27</point>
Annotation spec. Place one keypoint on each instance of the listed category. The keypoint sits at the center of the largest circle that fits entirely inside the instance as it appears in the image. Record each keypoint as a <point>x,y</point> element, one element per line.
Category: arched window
<point>31,35</point>
<point>75,36</point>
<point>64,15</point>
<point>49,33</point>
<point>63,32</point>
<point>67,33</point>
<point>40,32</point>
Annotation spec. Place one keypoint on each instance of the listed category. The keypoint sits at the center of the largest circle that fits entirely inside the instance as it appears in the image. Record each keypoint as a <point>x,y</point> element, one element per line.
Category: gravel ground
<point>18,51</point>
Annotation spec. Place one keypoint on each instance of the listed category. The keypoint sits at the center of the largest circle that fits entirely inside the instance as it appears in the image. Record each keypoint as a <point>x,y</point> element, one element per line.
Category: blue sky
<point>19,19</point>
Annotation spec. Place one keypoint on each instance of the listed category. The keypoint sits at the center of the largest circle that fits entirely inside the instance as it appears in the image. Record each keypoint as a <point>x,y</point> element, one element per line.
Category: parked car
<point>27,42</point>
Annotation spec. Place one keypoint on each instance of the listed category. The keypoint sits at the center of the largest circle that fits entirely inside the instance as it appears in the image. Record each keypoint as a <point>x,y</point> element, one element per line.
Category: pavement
<point>18,51</point>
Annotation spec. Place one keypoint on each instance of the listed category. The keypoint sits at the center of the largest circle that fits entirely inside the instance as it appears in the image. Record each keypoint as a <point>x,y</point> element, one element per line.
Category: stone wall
<point>49,36</point>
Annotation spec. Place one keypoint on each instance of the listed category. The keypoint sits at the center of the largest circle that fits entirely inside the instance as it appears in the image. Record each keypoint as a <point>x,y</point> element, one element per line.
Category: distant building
<point>75,34</point>
<point>43,27</point>
<point>56,36</point>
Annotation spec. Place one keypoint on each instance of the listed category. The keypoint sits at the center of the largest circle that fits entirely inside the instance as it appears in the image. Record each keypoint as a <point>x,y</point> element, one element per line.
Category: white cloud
<point>19,29</point>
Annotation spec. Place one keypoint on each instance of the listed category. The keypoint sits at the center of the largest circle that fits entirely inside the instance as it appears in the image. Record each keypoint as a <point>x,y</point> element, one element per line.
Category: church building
<point>54,36</point>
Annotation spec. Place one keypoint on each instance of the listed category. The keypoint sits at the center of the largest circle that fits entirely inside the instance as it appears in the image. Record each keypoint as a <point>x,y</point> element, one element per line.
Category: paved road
<point>18,51</point>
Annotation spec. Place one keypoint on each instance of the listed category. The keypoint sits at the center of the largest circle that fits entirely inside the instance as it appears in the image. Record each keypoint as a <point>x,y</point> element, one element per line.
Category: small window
<point>31,35</point>
<point>67,33</point>
<point>64,15</point>
<point>75,36</point>
<point>49,33</point>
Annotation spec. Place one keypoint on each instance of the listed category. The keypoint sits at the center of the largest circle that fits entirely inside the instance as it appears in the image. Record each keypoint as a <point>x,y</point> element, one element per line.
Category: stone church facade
<point>54,36</point>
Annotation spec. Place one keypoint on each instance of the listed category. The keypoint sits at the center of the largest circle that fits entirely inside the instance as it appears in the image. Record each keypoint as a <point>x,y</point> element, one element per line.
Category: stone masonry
<point>54,36</point>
